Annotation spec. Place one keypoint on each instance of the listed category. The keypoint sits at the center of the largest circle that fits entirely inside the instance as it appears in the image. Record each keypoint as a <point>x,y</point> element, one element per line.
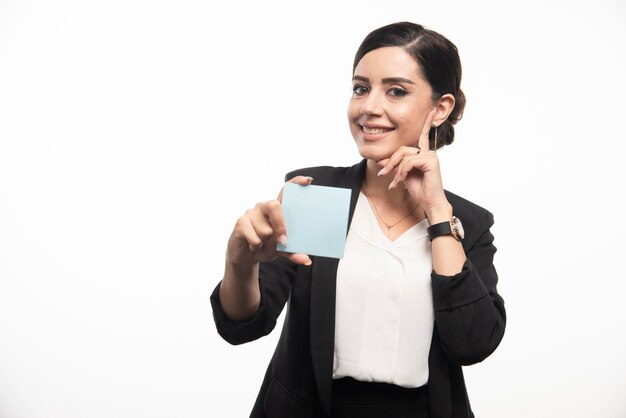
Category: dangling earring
<point>436,138</point>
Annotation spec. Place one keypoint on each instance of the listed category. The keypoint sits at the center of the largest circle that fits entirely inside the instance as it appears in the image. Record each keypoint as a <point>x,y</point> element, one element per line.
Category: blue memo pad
<point>316,218</point>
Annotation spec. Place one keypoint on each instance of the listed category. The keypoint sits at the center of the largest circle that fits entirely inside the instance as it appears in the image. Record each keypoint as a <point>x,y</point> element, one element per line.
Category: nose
<point>372,105</point>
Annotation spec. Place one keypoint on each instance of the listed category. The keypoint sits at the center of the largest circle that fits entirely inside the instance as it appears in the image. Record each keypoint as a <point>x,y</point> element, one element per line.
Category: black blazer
<point>469,318</point>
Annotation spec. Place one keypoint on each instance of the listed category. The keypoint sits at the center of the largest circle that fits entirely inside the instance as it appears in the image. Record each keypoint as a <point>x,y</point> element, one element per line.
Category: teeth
<point>375,130</point>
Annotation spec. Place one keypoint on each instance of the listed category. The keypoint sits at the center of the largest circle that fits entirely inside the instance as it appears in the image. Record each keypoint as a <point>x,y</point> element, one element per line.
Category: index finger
<point>301,180</point>
<point>424,141</point>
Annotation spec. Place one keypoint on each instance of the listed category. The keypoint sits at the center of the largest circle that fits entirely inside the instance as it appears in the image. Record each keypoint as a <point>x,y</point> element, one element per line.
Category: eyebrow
<point>388,80</point>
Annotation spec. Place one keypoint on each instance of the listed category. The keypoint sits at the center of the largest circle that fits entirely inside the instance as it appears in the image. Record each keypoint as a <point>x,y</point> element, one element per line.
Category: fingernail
<point>282,239</point>
<point>310,179</point>
<point>393,183</point>
<point>380,173</point>
<point>308,263</point>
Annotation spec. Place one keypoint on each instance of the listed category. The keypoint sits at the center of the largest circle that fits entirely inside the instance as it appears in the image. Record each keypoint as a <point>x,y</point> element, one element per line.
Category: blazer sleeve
<point>469,313</point>
<point>275,281</point>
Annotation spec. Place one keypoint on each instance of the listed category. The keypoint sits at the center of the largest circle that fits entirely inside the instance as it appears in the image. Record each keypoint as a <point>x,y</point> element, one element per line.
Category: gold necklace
<point>381,218</point>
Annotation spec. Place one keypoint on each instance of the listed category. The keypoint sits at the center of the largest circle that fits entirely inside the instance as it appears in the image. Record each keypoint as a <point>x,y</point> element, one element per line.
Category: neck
<point>377,186</point>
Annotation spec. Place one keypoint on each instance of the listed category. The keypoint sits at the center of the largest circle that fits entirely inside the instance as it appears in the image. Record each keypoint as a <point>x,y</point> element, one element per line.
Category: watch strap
<point>437,230</point>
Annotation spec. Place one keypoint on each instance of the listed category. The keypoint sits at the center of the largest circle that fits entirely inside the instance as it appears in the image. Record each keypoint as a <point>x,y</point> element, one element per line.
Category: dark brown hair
<point>438,60</point>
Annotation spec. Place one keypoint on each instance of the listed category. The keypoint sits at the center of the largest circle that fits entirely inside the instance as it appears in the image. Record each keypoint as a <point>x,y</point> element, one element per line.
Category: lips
<point>374,133</point>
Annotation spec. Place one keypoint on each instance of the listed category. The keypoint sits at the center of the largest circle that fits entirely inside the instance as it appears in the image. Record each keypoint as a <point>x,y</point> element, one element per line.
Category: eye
<point>359,90</point>
<point>398,92</point>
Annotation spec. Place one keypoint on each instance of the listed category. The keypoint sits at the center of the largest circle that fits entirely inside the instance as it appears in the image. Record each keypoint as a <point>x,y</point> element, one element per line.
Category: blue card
<point>316,218</point>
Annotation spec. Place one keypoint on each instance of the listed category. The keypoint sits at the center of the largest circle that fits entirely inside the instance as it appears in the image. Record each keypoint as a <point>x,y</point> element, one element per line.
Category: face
<point>390,102</point>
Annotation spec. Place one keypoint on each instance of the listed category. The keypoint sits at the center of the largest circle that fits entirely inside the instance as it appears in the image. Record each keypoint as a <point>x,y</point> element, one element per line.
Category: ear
<point>444,106</point>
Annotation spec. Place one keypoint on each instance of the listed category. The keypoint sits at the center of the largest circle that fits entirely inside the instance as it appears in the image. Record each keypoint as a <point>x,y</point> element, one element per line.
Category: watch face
<point>457,228</point>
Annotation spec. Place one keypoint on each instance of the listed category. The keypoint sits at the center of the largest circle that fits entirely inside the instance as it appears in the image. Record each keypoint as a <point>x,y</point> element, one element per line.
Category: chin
<point>374,153</point>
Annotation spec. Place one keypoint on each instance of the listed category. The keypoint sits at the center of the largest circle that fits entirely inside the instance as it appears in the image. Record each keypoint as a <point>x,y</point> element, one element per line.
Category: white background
<point>134,133</point>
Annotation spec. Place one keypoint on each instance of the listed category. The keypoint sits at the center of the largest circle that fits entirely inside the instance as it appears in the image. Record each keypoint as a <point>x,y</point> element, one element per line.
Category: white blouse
<point>384,314</point>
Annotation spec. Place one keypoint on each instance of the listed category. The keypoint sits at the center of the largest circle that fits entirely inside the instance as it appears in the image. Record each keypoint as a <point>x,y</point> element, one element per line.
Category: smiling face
<point>389,104</point>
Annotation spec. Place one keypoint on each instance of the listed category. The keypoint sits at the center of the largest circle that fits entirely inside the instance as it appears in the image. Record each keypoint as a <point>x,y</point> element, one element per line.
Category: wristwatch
<point>453,227</point>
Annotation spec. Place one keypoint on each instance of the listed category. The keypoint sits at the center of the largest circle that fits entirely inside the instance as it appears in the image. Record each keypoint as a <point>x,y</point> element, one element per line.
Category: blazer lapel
<point>323,292</point>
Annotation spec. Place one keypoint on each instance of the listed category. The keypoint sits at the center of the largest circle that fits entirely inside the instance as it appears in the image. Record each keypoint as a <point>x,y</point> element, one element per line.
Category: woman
<point>384,331</point>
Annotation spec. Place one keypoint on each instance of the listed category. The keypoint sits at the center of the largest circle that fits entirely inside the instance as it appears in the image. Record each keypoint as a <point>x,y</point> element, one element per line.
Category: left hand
<point>418,168</point>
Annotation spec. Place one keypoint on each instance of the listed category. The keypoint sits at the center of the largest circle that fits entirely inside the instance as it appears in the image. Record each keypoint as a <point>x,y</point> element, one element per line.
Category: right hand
<point>259,229</point>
